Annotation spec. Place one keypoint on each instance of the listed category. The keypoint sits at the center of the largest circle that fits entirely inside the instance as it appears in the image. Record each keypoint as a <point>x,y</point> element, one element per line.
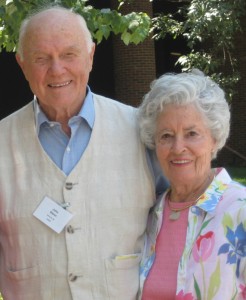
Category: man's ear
<point>92,52</point>
<point>21,64</point>
<point>19,61</point>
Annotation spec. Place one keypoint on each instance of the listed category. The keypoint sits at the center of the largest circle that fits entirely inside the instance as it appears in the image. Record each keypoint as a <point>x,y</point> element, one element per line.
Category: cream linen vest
<point>110,191</point>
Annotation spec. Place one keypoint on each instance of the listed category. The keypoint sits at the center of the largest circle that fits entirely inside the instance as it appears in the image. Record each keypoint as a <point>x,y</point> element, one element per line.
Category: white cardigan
<point>110,191</point>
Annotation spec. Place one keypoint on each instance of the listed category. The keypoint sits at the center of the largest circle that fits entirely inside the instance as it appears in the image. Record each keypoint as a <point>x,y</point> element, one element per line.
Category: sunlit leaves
<point>209,28</point>
<point>132,28</point>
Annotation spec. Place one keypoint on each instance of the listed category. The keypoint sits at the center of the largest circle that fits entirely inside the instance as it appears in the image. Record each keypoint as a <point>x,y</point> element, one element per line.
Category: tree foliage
<point>209,28</point>
<point>133,27</point>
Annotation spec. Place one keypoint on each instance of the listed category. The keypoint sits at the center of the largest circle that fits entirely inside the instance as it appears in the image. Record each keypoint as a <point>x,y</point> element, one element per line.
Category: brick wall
<point>134,66</point>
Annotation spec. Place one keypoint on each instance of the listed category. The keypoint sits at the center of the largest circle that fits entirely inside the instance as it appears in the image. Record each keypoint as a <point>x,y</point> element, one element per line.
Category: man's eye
<point>69,55</point>
<point>40,59</point>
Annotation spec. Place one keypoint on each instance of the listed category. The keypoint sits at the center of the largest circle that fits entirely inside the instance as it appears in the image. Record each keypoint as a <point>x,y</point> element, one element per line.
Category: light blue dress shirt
<point>66,151</point>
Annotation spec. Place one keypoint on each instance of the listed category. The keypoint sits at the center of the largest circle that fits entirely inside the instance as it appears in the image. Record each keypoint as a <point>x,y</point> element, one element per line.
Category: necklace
<point>175,212</point>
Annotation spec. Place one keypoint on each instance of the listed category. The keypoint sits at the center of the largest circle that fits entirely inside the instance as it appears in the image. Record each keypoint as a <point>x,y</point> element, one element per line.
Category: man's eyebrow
<point>72,48</point>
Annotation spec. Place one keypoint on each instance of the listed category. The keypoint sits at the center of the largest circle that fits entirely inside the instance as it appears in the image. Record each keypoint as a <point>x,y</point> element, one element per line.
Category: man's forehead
<point>54,17</point>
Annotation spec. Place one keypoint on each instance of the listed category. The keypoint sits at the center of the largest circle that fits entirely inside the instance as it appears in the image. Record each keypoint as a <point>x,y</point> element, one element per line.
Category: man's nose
<point>56,67</point>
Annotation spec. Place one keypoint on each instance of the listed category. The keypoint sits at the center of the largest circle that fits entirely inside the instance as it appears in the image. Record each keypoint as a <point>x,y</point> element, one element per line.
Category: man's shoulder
<point>106,101</point>
<point>113,111</point>
<point>18,114</point>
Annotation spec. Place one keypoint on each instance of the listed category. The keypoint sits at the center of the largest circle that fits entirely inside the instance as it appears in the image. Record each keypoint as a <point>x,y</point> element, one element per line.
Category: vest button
<point>72,277</point>
<point>69,185</point>
<point>70,229</point>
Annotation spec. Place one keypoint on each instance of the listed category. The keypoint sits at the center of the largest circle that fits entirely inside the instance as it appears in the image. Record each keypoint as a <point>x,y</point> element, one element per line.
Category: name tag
<point>52,214</point>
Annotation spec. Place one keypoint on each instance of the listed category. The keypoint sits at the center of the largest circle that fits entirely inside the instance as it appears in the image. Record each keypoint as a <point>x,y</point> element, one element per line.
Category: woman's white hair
<point>26,23</point>
<point>182,89</point>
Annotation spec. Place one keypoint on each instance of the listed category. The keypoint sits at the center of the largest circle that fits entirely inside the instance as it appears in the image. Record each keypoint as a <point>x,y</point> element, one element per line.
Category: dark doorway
<point>168,50</point>
<point>15,91</point>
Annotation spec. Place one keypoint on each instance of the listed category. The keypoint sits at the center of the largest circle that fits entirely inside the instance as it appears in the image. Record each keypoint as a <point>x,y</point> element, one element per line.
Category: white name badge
<point>52,214</point>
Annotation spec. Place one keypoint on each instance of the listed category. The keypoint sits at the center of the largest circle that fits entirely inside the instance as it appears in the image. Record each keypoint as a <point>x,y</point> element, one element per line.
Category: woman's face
<point>184,145</point>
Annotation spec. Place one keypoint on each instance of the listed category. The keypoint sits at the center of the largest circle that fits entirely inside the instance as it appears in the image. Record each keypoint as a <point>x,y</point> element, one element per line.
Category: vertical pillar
<point>134,65</point>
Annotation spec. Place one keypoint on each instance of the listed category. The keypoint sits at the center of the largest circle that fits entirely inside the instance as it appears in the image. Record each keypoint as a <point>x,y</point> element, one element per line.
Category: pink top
<point>161,282</point>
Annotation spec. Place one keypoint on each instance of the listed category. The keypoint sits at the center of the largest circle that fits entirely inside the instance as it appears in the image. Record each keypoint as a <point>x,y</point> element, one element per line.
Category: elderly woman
<point>196,236</point>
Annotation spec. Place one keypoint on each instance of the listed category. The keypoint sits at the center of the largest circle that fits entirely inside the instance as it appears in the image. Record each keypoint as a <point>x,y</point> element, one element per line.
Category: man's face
<point>57,62</point>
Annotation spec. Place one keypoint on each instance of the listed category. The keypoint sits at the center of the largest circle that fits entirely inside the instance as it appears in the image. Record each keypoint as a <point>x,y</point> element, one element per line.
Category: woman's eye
<point>192,133</point>
<point>165,137</point>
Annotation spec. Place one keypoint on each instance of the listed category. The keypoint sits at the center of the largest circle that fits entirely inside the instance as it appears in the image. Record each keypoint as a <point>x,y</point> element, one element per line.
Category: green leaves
<point>132,28</point>
<point>209,28</point>
<point>11,14</point>
<point>166,24</point>
<point>137,26</point>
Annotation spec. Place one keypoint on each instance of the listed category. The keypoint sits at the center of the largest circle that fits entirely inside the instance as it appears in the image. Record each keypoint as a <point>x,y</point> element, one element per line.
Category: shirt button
<point>72,277</point>
<point>69,185</point>
<point>68,149</point>
<point>70,229</point>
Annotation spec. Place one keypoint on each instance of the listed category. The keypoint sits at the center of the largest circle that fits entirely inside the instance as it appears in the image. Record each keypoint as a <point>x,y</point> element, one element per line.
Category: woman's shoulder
<point>233,203</point>
<point>236,191</point>
<point>231,188</point>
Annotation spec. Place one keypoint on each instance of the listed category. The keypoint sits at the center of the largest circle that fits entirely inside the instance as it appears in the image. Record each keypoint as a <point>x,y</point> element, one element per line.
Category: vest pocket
<point>122,276</point>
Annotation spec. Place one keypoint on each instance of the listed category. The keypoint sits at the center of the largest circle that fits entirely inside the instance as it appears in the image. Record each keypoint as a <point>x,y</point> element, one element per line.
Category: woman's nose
<point>178,145</point>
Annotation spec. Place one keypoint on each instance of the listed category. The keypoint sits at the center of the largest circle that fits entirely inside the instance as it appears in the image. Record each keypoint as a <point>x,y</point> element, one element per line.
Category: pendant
<point>174,215</point>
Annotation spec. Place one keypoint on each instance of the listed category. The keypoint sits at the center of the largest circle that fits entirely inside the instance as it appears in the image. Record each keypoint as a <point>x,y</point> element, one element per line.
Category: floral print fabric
<point>213,263</point>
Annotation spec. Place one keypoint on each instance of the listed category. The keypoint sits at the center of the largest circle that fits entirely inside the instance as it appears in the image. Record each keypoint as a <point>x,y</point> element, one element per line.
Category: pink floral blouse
<point>213,263</point>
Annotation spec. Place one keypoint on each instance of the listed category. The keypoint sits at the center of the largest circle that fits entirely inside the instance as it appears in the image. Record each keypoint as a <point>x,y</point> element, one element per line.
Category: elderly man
<point>75,187</point>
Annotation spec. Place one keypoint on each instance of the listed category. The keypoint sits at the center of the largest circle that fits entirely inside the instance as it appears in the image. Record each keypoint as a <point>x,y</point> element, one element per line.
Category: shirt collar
<point>87,112</point>
<point>209,200</point>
